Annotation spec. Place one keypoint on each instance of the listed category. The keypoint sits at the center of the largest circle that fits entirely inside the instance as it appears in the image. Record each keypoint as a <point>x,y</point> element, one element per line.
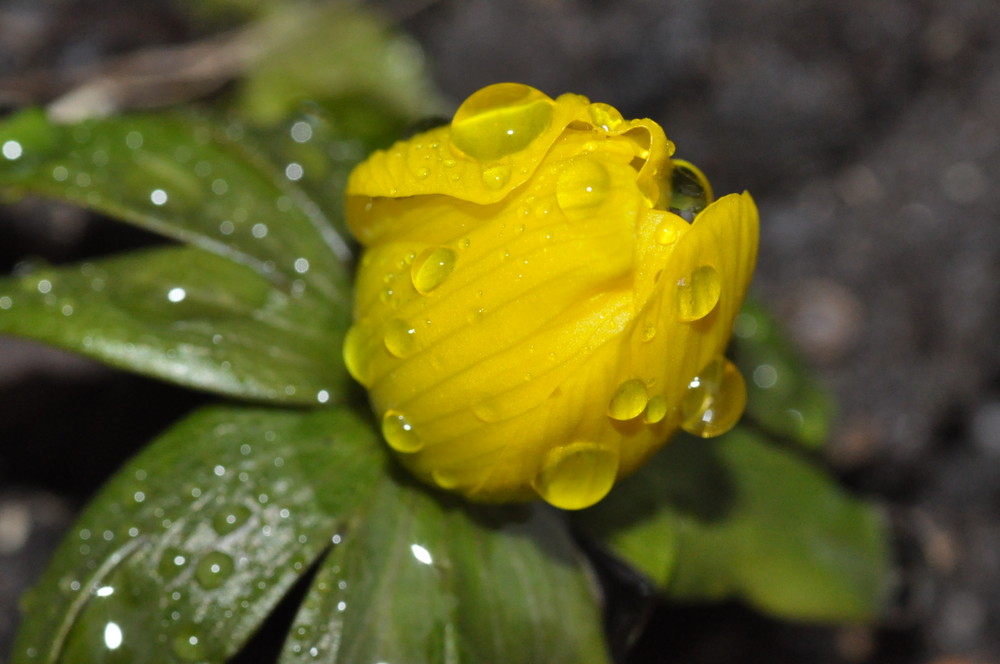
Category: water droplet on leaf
<point>214,569</point>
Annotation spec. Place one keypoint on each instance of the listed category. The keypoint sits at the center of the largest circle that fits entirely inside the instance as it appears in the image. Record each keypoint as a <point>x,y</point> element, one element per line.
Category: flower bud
<point>544,297</point>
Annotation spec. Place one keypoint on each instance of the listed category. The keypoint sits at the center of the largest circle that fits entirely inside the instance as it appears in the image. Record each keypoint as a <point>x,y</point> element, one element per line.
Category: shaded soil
<point>868,132</point>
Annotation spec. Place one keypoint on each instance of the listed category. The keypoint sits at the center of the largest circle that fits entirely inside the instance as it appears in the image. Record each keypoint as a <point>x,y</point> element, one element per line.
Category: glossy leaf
<point>425,579</point>
<point>738,517</point>
<point>188,316</point>
<point>187,179</point>
<point>185,552</point>
<point>783,396</point>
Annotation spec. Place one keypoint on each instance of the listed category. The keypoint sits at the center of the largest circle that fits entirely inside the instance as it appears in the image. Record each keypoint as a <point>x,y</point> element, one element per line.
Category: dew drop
<point>431,268</point>
<point>668,232</point>
<point>698,293</point>
<point>229,520</point>
<point>714,399</point>
<point>399,433</point>
<point>214,569</point>
<point>188,647</point>
<point>400,337</point>
<point>500,120</point>
<point>656,409</point>
<point>171,563</point>
<point>358,354</point>
<point>495,177</point>
<point>581,188</point>
<point>648,332</point>
<point>577,475</point>
<point>629,400</point>
<point>604,116</point>
<point>690,192</point>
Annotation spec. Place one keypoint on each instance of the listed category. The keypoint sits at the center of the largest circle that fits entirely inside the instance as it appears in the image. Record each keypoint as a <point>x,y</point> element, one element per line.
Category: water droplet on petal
<point>358,354</point>
<point>500,120</point>
<point>628,401</point>
<point>399,433</point>
<point>214,569</point>
<point>581,188</point>
<point>690,192</point>
<point>714,399</point>
<point>648,332</point>
<point>698,293</point>
<point>431,268</point>
<point>669,231</point>
<point>604,116</point>
<point>400,337</point>
<point>495,177</point>
<point>656,409</point>
<point>577,475</point>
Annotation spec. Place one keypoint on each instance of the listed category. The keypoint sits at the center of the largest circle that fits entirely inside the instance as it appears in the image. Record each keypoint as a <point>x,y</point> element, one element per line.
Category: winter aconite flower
<point>535,311</point>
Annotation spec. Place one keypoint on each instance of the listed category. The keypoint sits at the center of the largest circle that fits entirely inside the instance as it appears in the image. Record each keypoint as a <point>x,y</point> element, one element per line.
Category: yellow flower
<point>534,315</point>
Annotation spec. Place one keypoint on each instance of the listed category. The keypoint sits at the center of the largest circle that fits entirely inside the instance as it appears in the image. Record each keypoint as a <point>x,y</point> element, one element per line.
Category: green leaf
<point>783,396</point>
<point>184,315</point>
<point>738,517</point>
<point>188,179</point>
<point>185,552</point>
<point>332,52</point>
<point>424,579</point>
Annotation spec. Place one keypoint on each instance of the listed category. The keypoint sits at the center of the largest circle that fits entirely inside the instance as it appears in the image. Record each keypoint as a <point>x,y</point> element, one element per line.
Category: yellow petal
<point>541,323</point>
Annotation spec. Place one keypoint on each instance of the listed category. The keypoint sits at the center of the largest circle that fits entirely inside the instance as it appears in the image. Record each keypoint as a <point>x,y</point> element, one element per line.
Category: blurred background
<point>869,134</point>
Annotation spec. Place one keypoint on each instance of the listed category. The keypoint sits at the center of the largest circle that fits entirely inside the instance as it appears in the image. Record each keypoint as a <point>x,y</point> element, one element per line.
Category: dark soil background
<point>867,130</point>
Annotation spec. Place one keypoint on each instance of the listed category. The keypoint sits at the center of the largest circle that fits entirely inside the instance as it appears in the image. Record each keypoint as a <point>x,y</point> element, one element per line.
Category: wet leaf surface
<point>186,551</point>
<point>187,316</point>
<point>186,178</point>
<point>739,517</point>
<point>783,396</point>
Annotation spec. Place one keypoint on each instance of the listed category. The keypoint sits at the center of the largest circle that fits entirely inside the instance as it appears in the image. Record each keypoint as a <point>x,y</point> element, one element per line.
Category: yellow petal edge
<point>533,316</point>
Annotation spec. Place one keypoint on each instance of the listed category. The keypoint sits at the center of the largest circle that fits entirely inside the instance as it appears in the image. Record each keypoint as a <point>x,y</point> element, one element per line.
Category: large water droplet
<point>577,475</point>
<point>689,193</point>
<point>698,293</point>
<point>500,120</point>
<point>400,337</point>
<point>399,433</point>
<point>431,268</point>
<point>358,354</point>
<point>628,401</point>
<point>214,569</point>
<point>581,188</point>
<point>714,399</point>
